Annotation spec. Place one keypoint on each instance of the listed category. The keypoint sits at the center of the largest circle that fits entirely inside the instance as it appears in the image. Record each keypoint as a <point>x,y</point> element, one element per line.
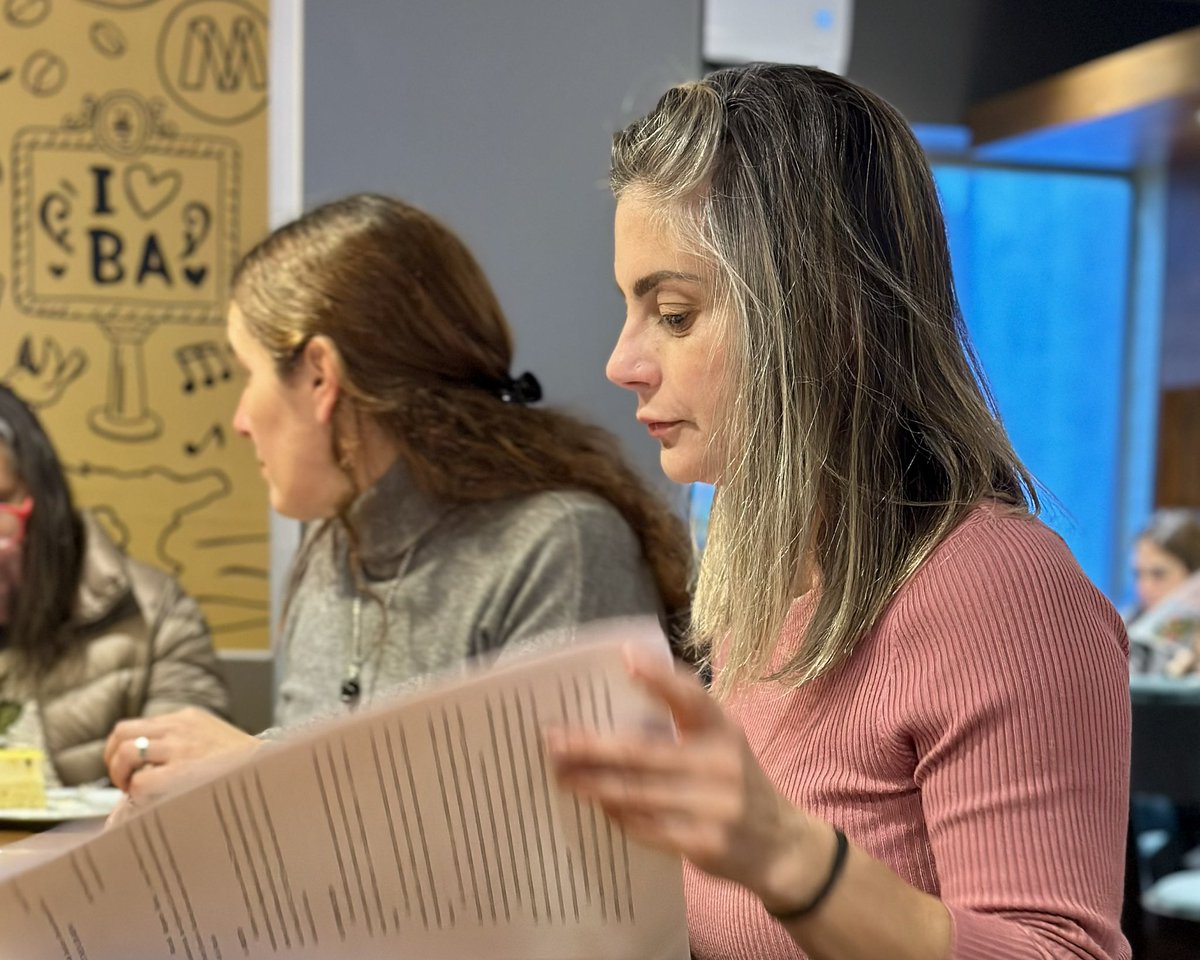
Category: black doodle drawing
<point>149,191</point>
<point>122,121</point>
<point>238,603</point>
<point>185,188</point>
<point>202,363</point>
<point>54,215</point>
<point>108,39</point>
<point>113,525</point>
<point>26,13</point>
<point>44,73</point>
<point>125,415</point>
<point>5,74</point>
<point>197,220</point>
<point>41,375</point>
<point>212,59</point>
<point>182,494</point>
<point>213,435</point>
<point>124,222</point>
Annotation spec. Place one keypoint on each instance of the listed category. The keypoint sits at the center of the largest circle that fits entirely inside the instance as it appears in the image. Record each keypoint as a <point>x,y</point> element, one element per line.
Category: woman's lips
<point>661,428</point>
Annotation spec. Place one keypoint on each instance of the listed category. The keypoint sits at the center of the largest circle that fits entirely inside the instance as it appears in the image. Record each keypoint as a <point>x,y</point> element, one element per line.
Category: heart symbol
<point>195,275</point>
<point>148,191</point>
<point>58,269</point>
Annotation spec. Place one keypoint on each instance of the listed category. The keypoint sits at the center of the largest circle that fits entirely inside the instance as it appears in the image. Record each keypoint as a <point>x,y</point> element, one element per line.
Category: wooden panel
<point>1178,478</point>
<point>1163,69</point>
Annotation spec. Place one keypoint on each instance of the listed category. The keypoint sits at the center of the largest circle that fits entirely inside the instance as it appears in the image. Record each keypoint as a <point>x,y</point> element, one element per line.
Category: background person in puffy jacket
<point>88,636</point>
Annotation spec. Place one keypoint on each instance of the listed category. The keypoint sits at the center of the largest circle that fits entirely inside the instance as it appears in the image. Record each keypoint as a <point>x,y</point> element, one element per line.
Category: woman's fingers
<point>127,758</point>
<point>678,687</point>
<point>583,749</point>
<point>126,731</point>
<point>187,734</point>
<point>151,781</point>
<point>124,810</point>
<point>621,790</point>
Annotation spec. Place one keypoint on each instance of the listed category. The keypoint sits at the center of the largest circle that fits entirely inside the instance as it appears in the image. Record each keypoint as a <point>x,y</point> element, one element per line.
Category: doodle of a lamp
<point>125,413</point>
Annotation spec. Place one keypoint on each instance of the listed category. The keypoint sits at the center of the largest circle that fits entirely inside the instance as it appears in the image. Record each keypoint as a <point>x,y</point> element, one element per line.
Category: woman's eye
<point>675,322</point>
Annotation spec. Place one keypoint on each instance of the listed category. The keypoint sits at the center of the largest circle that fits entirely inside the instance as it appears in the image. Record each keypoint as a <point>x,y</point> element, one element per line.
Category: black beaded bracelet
<point>839,861</point>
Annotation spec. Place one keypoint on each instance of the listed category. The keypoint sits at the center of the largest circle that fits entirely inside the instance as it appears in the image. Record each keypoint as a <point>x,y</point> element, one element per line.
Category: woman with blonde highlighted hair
<point>449,515</point>
<point>917,740</point>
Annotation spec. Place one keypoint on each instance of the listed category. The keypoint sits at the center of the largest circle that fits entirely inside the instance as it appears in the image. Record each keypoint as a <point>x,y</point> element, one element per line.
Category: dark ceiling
<point>1019,41</point>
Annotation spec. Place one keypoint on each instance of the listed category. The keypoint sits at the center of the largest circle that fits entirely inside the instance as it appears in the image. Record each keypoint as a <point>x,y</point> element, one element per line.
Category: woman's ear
<point>321,370</point>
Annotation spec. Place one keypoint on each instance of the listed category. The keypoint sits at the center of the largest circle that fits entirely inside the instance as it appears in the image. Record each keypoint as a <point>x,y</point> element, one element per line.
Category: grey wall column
<point>497,118</point>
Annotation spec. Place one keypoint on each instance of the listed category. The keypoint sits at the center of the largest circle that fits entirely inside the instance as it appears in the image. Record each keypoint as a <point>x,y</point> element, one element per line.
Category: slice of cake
<point>22,781</point>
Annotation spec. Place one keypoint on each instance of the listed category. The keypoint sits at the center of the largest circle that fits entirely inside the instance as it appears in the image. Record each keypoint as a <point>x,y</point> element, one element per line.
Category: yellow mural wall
<point>133,175</point>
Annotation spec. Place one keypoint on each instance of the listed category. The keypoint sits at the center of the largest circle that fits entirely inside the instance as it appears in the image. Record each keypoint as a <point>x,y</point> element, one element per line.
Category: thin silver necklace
<point>351,688</point>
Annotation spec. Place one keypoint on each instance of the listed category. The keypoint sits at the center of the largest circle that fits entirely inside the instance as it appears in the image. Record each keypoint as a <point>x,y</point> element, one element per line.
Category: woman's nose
<point>630,365</point>
<point>241,422</point>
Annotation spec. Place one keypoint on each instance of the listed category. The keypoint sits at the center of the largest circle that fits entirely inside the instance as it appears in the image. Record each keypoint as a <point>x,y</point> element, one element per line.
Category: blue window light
<point>1042,266</point>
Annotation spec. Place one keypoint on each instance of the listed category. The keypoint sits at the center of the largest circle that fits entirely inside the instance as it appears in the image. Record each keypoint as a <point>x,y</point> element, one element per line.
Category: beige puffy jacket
<point>146,650</point>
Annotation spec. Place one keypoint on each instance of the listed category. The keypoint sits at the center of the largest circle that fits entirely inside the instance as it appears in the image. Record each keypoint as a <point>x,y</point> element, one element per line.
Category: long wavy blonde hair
<point>858,426</point>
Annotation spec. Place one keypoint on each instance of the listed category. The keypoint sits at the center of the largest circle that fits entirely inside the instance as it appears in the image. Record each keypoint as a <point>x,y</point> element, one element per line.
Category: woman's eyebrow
<point>652,280</point>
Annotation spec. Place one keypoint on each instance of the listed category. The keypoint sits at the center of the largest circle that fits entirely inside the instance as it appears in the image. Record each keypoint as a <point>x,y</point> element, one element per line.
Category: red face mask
<point>14,518</point>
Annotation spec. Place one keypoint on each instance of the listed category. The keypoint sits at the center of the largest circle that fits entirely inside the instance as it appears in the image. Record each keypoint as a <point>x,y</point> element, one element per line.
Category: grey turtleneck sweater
<point>455,580</point>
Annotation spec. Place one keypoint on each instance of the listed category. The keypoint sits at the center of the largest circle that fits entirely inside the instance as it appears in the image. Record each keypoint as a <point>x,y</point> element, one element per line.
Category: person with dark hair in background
<point>449,516</point>
<point>1165,554</point>
<point>1164,626</point>
<point>917,741</point>
<point>88,636</point>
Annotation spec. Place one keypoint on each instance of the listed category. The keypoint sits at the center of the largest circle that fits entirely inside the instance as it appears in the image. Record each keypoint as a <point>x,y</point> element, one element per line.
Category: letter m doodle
<point>207,54</point>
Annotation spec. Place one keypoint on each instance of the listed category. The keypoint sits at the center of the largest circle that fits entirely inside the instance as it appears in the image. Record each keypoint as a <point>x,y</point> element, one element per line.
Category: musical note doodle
<point>214,434</point>
<point>203,362</point>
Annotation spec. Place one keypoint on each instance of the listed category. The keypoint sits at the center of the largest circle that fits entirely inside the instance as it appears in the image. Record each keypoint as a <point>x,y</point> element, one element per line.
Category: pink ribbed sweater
<point>977,742</point>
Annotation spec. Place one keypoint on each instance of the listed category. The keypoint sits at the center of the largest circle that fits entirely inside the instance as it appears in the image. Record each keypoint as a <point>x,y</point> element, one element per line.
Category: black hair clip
<point>523,390</point>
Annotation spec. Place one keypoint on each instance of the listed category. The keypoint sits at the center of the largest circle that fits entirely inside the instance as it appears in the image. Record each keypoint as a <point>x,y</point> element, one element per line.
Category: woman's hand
<point>703,796</point>
<point>173,744</point>
<point>121,813</point>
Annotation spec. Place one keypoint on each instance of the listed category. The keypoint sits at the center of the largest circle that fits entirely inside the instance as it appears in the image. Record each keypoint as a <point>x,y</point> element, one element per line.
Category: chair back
<point>1165,755</point>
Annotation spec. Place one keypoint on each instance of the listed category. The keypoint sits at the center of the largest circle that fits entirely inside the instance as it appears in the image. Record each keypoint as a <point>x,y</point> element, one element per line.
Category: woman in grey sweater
<point>447,515</point>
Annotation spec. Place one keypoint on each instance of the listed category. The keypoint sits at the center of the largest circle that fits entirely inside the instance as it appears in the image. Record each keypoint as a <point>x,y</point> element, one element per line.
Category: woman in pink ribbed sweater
<point>916,742</point>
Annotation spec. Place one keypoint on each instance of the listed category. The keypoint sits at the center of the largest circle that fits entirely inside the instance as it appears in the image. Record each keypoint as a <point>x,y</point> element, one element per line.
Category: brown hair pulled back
<point>425,350</point>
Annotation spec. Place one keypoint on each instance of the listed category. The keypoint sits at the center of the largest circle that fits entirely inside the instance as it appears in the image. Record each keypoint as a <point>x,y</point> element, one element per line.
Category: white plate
<point>66,803</point>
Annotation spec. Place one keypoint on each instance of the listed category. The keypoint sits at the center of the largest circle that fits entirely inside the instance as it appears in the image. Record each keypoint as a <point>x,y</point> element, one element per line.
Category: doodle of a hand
<point>41,379</point>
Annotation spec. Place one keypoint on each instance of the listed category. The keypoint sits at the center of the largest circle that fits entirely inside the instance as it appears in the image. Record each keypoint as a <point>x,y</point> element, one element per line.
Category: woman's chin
<point>681,469</point>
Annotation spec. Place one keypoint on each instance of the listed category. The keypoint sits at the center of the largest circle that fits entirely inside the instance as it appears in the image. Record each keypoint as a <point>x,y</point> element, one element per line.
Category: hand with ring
<point>147,756</point>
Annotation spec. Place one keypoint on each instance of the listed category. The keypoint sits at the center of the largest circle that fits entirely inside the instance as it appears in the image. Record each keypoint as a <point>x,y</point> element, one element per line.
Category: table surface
<point>8,836</point>
<point>1148,688</point>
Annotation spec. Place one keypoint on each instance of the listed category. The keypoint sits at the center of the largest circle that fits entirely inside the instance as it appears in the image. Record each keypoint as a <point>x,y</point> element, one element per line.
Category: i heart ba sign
<point>153,229</point>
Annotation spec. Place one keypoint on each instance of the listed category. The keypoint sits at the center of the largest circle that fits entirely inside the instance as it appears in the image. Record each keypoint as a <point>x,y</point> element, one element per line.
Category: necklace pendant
<point>351,689</point>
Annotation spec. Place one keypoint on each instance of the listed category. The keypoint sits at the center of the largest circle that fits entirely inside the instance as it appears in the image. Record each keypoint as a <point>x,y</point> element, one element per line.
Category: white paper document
<point>425,828</point>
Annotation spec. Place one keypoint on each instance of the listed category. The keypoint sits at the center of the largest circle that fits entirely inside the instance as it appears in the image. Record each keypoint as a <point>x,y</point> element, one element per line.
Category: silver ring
<point>143,748</point>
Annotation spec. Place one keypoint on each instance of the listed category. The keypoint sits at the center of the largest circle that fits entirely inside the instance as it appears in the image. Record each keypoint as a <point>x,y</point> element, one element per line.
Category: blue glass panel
<point>700,497</point>
<point>1041,261</point>
<point>1041,264</point>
